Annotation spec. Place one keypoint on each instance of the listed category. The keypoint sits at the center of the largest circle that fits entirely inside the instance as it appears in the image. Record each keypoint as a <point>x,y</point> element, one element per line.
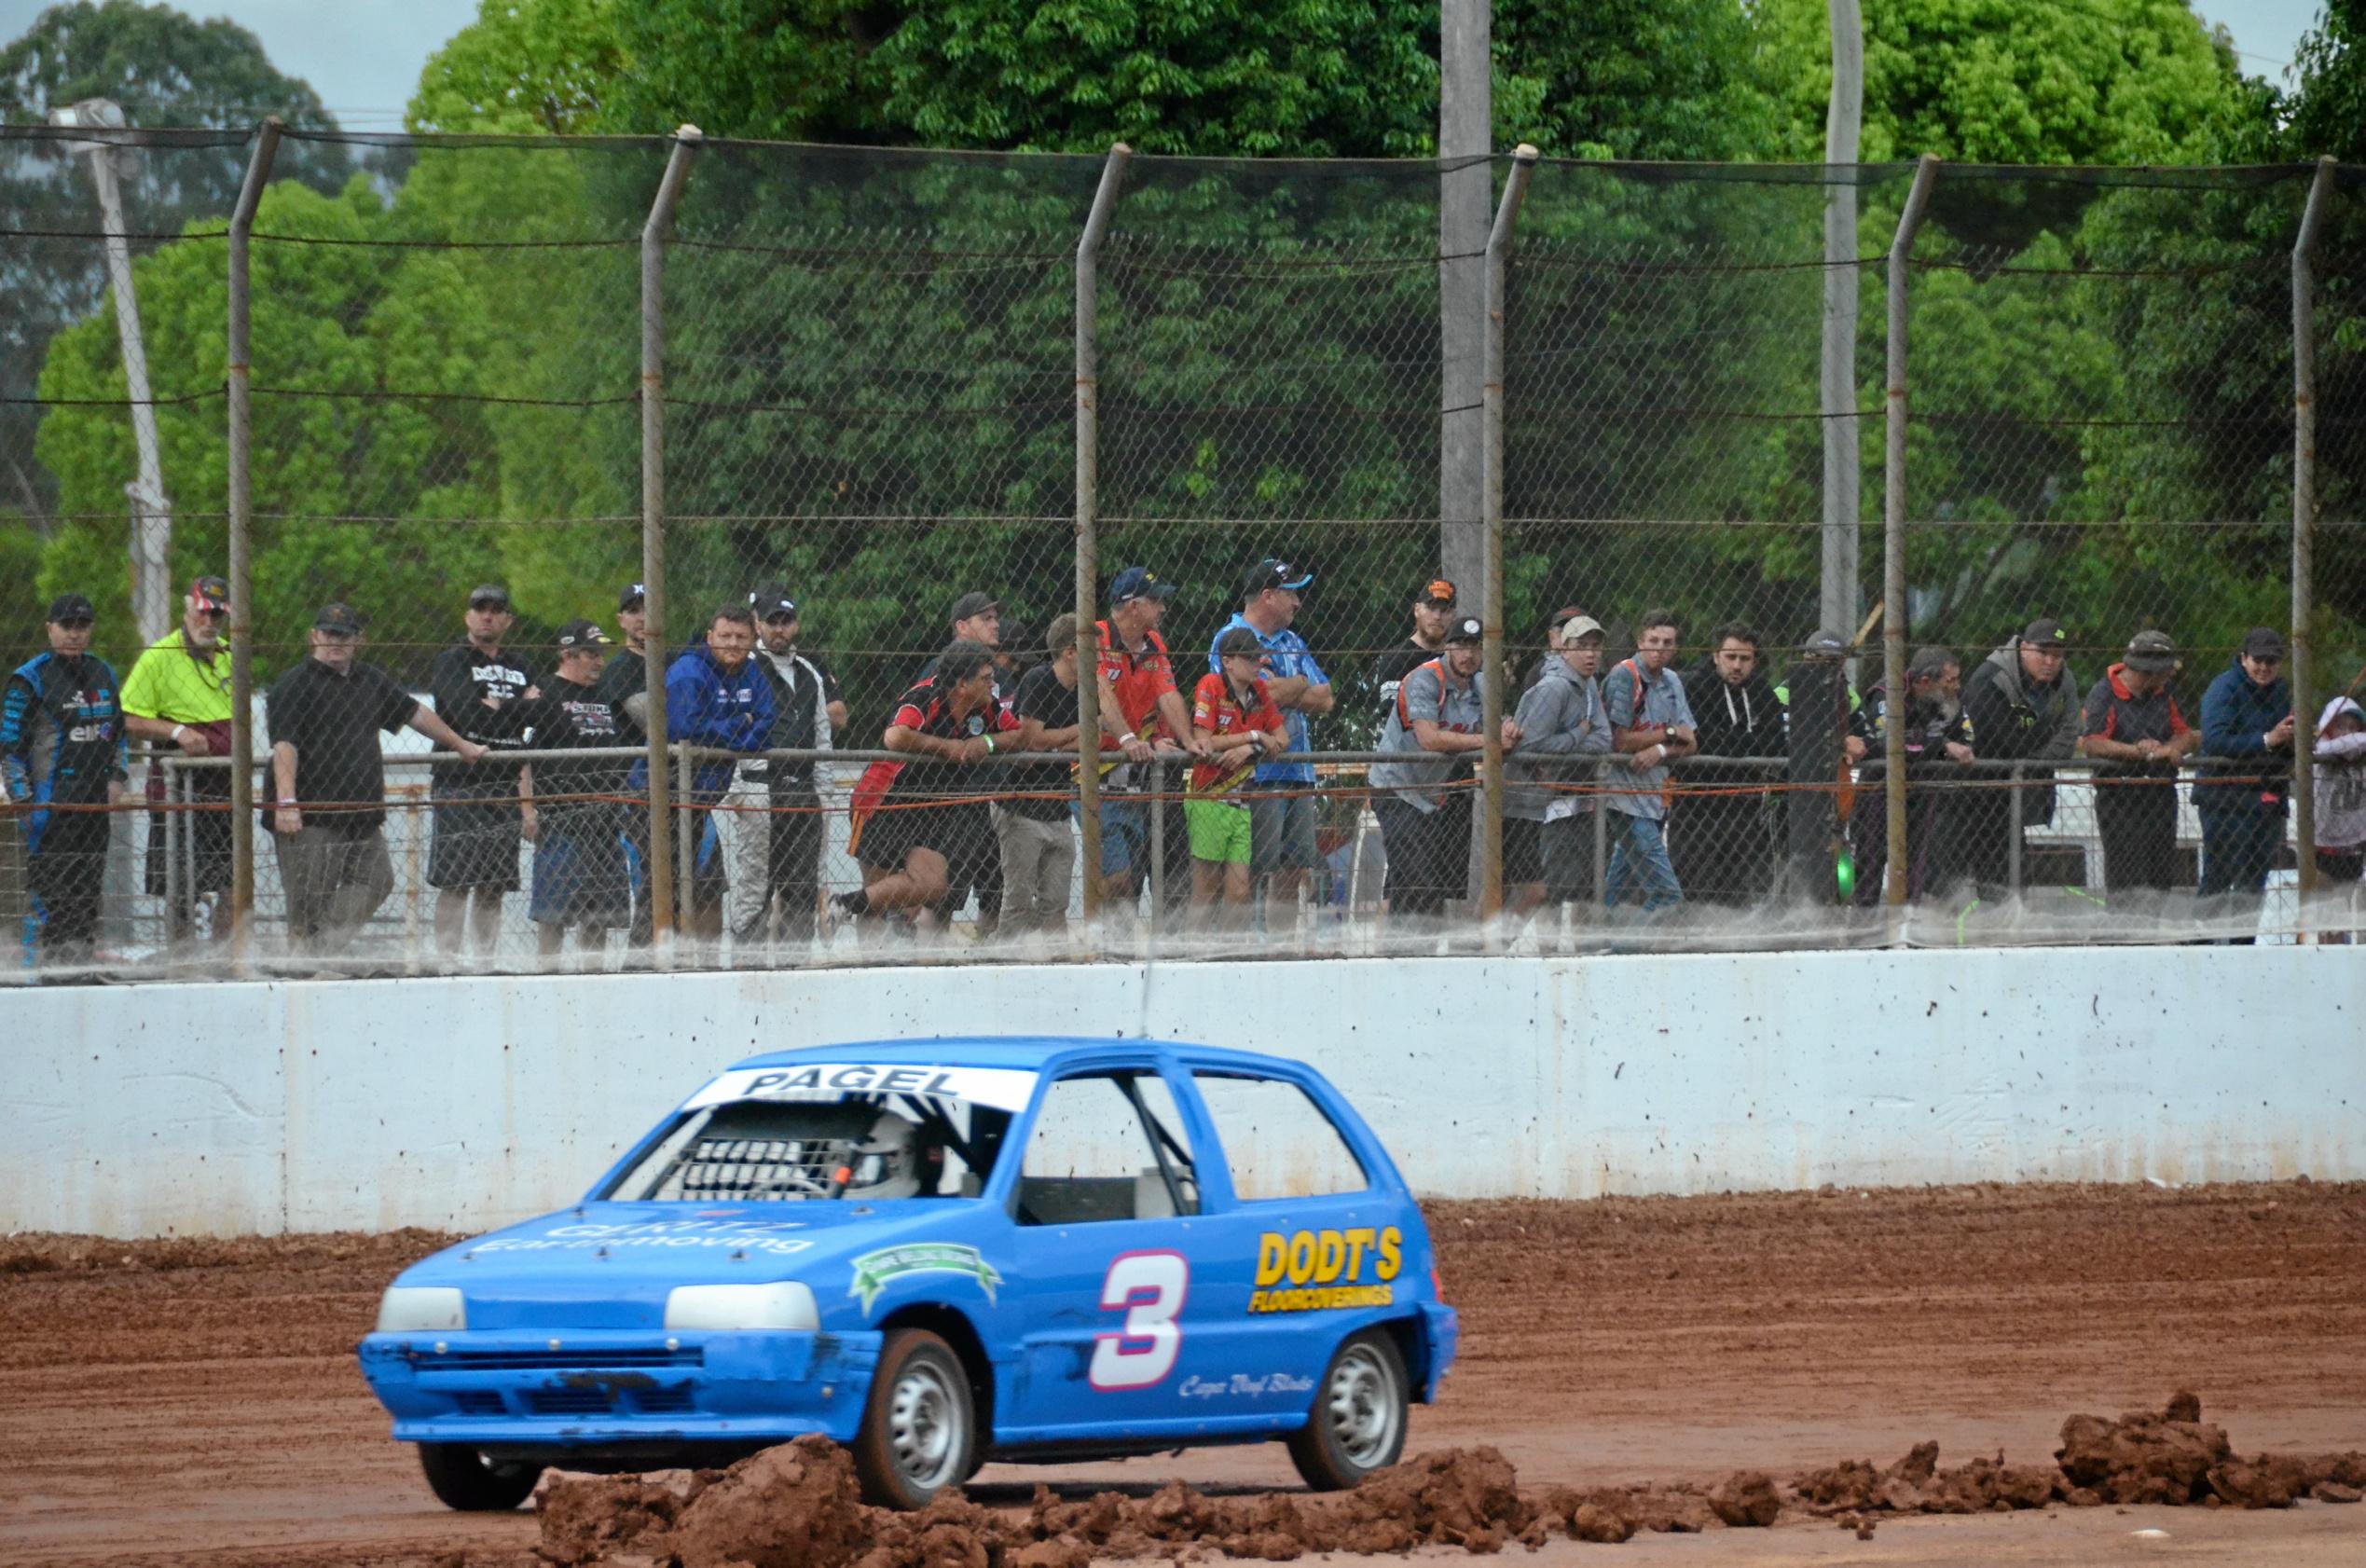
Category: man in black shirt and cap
<point>471,855</point>
<point>328,778</point>
<point>574,813</point>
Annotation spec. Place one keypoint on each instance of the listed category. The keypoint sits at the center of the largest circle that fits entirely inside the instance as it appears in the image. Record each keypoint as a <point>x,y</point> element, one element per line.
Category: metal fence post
<point>2017,812</point>
<point>1893,506</point>
<point>652,527</point>
<point>1490,689</point>
<point>1088,514</point>
<point>241,525</point>
<point>2305,530</point>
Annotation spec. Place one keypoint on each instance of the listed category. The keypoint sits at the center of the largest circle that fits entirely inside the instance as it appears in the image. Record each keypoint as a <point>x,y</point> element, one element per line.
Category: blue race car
<point>939,1253</point>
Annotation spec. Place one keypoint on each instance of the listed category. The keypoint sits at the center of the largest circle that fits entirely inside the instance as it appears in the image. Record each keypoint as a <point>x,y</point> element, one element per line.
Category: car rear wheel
<point>463,1477</point>
<point>1358,1424</point>
<point>920,1425</point>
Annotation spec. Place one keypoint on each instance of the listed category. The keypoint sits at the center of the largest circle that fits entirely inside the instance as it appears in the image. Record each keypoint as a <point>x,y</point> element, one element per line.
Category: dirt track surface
<point>197,1402</point>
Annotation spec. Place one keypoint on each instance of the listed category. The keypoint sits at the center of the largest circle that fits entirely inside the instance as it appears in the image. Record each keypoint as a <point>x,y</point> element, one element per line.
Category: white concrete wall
<point>457,1104</point>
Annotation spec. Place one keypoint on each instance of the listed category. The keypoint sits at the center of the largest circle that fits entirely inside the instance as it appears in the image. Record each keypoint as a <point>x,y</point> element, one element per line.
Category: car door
<point>1320,1248</point>
<point>1109,1239</point>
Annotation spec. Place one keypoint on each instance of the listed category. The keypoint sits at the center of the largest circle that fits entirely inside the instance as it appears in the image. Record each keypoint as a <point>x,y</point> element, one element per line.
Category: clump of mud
<point>2176,1457</point>
<point>798,1505</point>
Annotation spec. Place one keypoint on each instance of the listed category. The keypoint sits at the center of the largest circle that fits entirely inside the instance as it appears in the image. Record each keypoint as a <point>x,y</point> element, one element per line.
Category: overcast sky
<point>363,57</point>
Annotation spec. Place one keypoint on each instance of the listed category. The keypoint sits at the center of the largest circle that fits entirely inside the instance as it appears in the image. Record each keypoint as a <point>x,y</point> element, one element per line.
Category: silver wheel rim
<point>924,1421</point>
<point>1362,1405</point>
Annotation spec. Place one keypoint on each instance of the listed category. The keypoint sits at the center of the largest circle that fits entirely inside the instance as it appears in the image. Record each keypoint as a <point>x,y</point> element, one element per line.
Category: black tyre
<point>463,1478</point>
<point>919,1432</point>
<point>1358,1424</point>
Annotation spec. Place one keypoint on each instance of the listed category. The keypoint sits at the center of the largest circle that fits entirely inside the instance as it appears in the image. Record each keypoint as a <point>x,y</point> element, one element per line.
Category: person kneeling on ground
<point>932,814</point>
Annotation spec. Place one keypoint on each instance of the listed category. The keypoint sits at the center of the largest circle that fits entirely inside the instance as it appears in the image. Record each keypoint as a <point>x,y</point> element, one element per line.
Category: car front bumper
<point>589,1389</point>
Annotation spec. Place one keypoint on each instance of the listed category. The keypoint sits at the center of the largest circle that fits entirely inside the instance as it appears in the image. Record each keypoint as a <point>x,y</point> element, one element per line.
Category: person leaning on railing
<point>328,781</point>
<point>1548,836</point>
<point>2341,793</point>
<point>576,816</point>
<point>178,694</point>
<point>1938,749</point>
<point>1652,722</point>
<point>2247,719</point>
<point>2136,737</point>
<point>2023,702</point>
<point>63,745</point>
<point>1720,832</point>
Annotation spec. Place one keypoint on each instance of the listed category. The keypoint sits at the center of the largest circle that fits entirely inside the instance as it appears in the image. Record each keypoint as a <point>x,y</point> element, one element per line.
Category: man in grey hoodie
<point>2023,702</point>
<point>1548,838</point>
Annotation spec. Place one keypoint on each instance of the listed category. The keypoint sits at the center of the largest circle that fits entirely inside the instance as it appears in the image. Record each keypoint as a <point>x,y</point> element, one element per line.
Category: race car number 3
<point>1148,1287</point>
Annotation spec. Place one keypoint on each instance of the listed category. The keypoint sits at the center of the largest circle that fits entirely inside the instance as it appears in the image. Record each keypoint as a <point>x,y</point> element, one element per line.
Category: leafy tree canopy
<point>1343,79</point>
<point>2012,81</point>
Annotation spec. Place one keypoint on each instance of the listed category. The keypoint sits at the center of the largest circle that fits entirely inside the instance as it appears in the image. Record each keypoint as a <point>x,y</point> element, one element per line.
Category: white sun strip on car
<point>1003,1088</point>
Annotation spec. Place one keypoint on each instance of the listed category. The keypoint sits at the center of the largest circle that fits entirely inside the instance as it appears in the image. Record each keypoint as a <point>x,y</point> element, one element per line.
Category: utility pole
<point>1843,120</point>
<point>1465,211</point>
<point>151,509</point>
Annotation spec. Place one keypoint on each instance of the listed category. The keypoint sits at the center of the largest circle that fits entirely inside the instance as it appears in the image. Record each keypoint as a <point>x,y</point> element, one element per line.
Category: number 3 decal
<point>1148,1287</point>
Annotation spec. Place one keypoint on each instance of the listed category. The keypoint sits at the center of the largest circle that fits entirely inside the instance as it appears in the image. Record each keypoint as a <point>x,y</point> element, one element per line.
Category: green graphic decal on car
<point>873,1269</point>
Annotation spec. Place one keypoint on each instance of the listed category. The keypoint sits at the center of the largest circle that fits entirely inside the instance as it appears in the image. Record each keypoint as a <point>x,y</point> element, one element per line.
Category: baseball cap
<point>1467,629</point>
<point>2152,651</point>
<point>1271,574</point>
<point>71,606</point>
<point>1573,624</point>
<point>2046,631</point>
<point>341,619</point>
<point>1239,640</point>
<point>488,596</point>
<point>1135,582</point>
<point>1826,645</point>
<point>211,592</point>
<point>1435,591</point>
<point>972,603</point>
<point>2260,642</point>
<point>579,633</point>
<point>632,594</point>
<point>772,602</point>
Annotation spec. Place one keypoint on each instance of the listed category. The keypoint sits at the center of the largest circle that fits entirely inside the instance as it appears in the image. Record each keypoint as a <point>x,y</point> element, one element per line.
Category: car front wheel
<point>919,1424</point>
<point>463,1478</point>
<point>1358,1424</point>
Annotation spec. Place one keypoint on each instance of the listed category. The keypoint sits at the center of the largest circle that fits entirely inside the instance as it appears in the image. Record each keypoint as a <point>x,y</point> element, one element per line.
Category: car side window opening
<point>857,1147</point>
<point>1107,1146</point>
<point>1278,1141</point>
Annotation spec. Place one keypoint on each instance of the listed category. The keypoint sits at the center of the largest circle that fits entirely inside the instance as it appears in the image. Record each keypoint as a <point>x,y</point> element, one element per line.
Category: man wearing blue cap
<point>1281,806</point>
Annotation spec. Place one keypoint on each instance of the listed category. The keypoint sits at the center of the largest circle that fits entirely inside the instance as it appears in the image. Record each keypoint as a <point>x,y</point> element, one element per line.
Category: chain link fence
<point>869,400</point>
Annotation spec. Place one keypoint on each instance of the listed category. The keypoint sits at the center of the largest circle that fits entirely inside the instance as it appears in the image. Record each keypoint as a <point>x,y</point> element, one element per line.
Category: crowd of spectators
<point>1684,768</point>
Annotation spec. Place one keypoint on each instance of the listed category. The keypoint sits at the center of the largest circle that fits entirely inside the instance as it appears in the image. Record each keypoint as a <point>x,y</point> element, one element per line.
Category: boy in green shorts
<point>1238,726</point>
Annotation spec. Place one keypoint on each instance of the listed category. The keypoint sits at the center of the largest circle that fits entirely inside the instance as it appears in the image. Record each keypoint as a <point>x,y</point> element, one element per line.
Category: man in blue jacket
<point>714,698</point>
<point>61,757</point>
<point>2247,718</point>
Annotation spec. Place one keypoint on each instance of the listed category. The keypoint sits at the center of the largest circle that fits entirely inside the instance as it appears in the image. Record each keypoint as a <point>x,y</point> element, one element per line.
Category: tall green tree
<point>165,69</point>
<point>2011,81</point>
<point>524,65</point>
<point>1343,79</point>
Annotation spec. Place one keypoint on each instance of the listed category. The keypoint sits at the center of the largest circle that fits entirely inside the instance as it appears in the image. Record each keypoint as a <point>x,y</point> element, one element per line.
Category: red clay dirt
<point>196,1401</point>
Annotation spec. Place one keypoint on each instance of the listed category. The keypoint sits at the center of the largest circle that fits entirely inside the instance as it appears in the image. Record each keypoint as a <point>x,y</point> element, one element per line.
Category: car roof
<point>1026,1052</point>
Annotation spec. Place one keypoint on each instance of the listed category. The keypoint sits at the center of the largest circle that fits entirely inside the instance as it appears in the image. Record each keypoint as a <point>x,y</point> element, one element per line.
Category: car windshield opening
<point>858,1147</point>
